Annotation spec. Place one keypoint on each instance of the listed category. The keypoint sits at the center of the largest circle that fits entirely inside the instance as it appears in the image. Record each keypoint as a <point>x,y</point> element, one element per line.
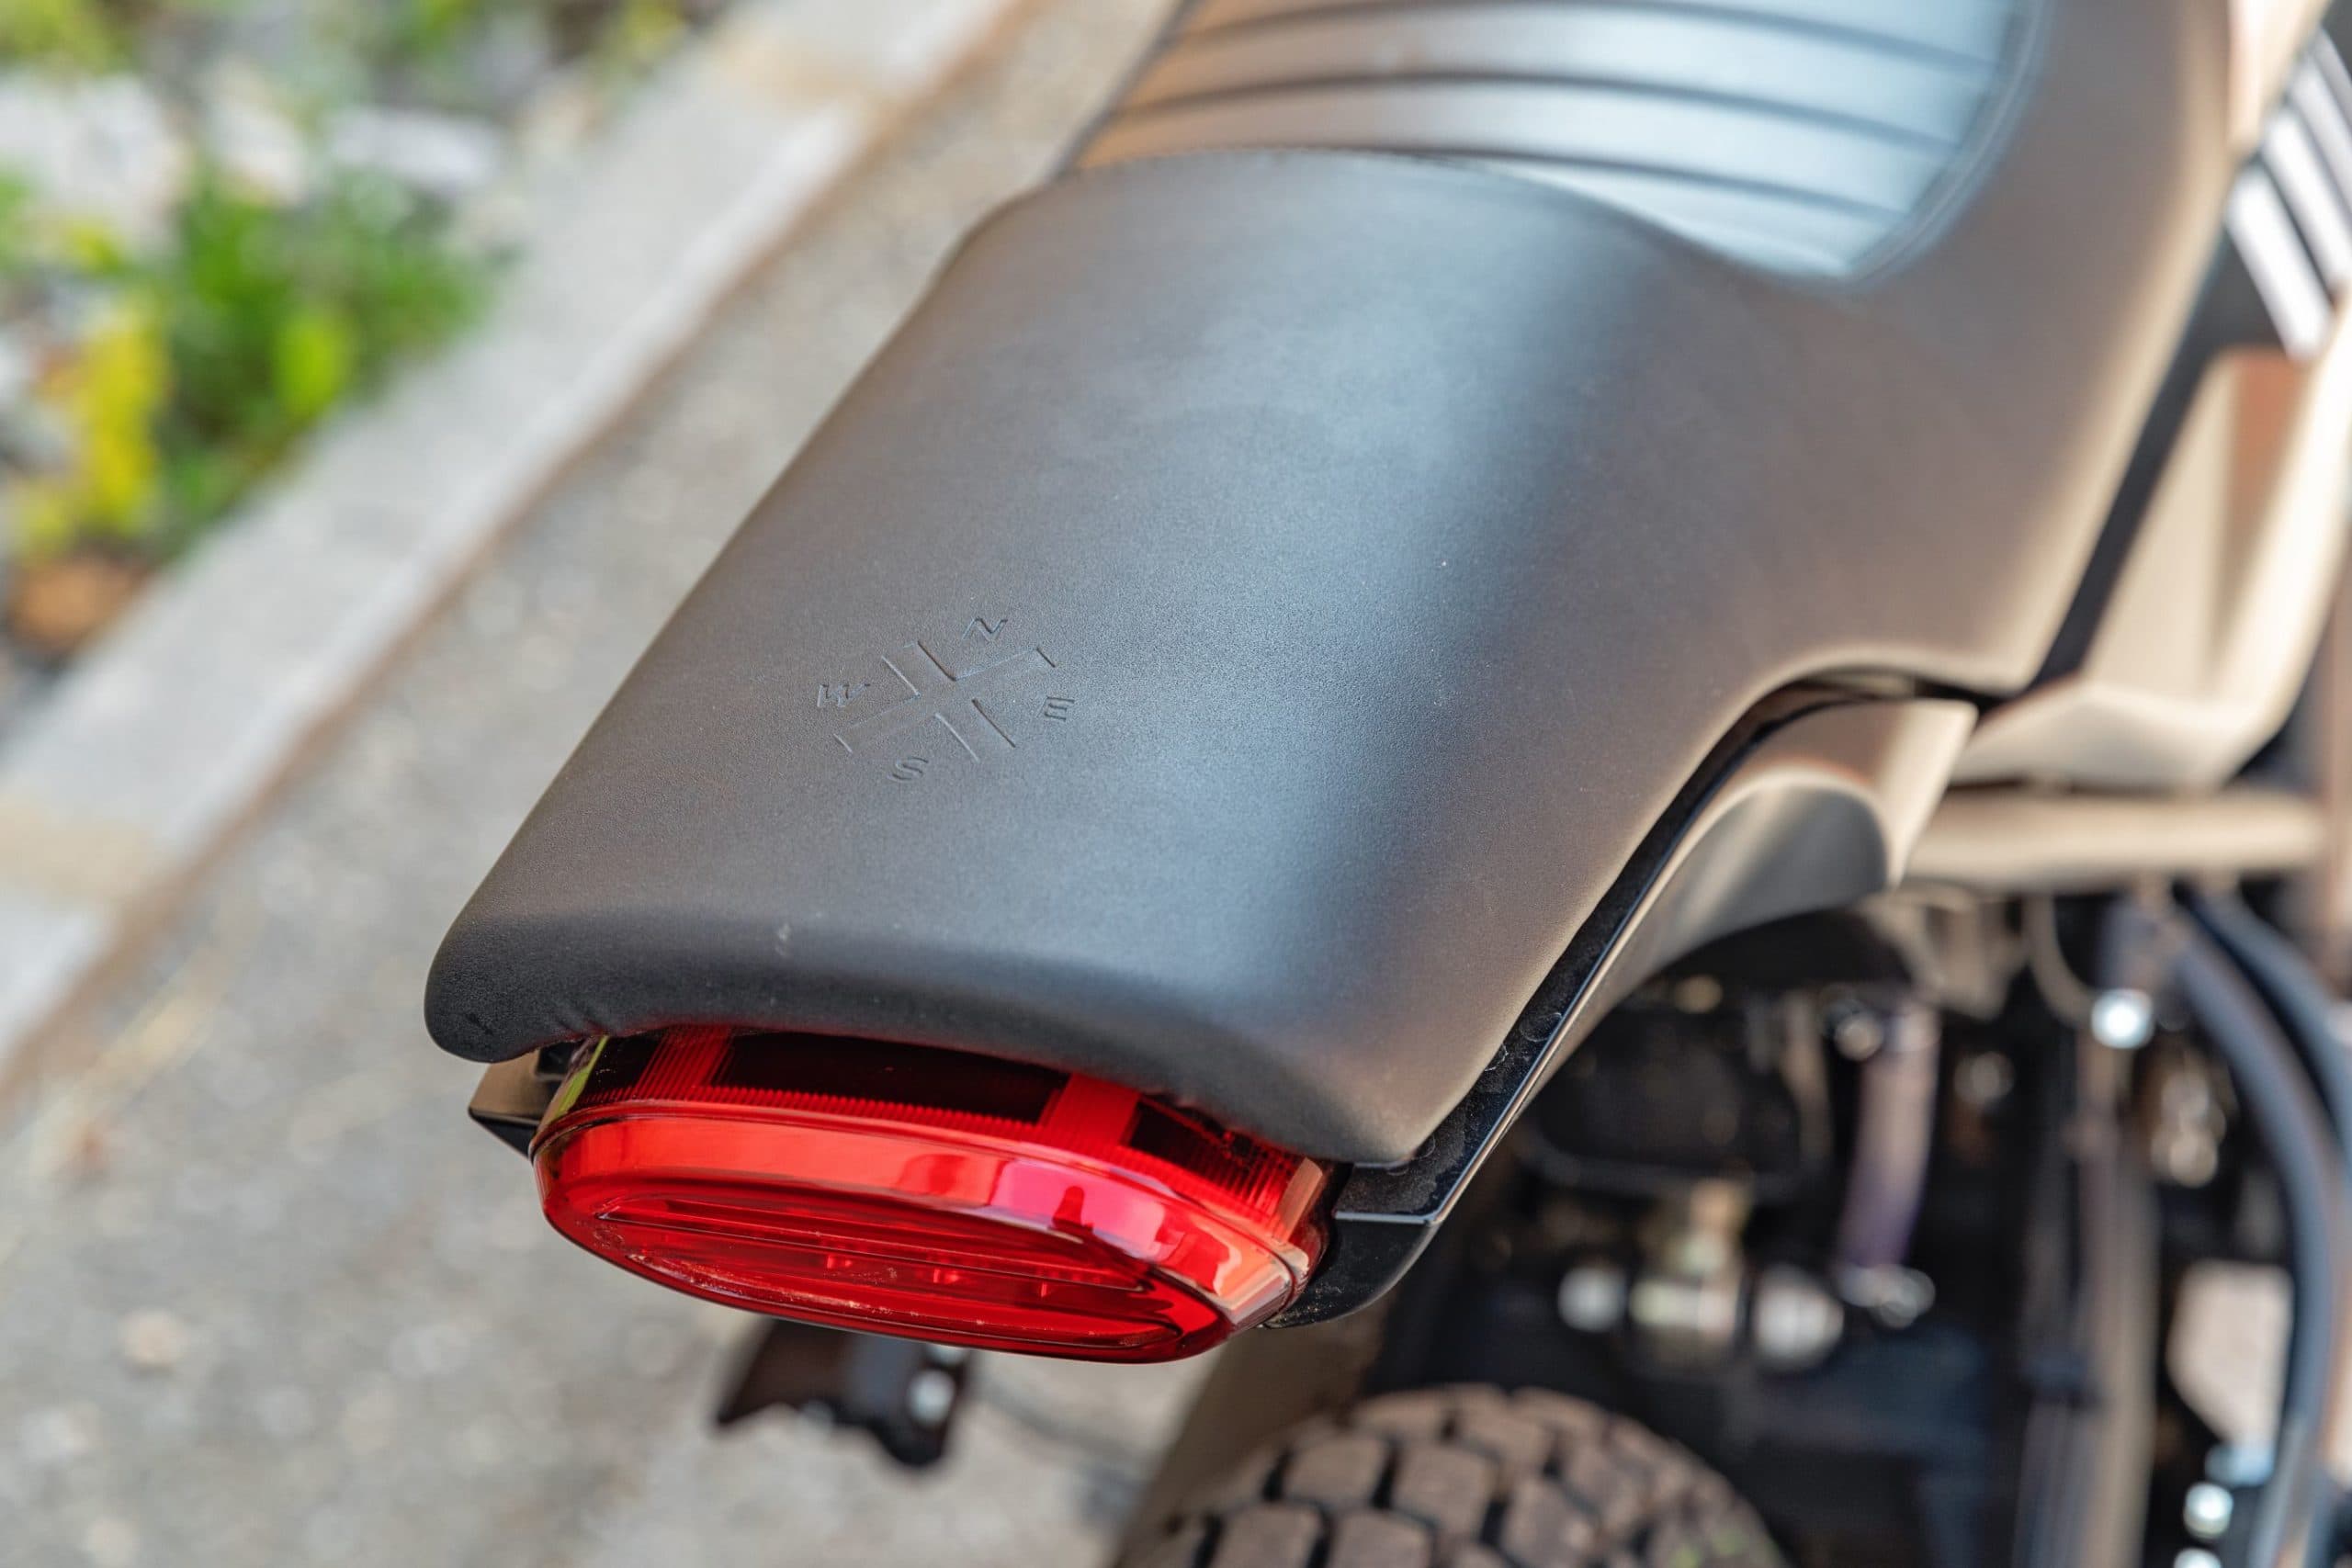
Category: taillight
<point>905,1189</point>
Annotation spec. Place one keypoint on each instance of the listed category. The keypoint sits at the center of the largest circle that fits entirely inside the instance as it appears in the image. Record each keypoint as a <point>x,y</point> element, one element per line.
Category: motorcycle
<point>1617,733</point>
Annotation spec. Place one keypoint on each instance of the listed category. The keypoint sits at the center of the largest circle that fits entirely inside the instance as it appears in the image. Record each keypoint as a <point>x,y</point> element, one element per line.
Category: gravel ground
<point>266,1297</point>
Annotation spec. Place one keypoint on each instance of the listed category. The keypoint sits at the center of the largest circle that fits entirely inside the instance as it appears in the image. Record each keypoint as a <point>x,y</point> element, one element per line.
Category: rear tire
<point>1464,1478</point>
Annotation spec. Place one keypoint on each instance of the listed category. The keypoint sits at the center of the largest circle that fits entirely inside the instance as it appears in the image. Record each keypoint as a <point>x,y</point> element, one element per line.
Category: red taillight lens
<point>904,1190</point>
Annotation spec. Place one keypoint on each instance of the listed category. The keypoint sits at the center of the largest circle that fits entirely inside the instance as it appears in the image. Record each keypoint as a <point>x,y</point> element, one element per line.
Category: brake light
<point>905,1189</point>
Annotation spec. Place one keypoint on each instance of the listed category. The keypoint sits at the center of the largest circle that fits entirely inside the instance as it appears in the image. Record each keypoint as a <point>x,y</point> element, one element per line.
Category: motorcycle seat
<point>1234,637</point>
<point>1805,134</point>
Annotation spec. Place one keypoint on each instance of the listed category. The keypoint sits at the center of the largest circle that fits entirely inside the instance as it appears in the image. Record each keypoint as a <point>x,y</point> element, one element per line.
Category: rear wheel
<point>1464,1478</point>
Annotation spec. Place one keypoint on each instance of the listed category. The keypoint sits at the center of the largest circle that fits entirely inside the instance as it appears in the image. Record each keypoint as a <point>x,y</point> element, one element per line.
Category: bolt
<point>2187,1158</point>
<point>1592,1297</point>
<point>1684,1319</point>
<point>1897,1297</point>
<point>1793,1319</point>
<point>1983,1079</point>
<point>1856,1031</point>
<point>2124,1019</point>
<point>931,1394</point>
<point>1698,993</point>
<point>2184,1143</point>
<point>2206,1510</point>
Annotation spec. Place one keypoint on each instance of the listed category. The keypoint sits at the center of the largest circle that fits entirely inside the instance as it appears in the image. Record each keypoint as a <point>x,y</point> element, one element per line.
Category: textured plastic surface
<point>1237,633</point>
<point>1814,807</point>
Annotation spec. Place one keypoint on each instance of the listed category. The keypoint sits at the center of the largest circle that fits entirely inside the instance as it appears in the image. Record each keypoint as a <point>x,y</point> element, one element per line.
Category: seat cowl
<point>1783,132</point>
<point>1233,636</point>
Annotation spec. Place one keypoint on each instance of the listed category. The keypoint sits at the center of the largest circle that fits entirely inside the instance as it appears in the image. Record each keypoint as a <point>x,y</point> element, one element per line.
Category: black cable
<point>2299,999</point>
<point>2288,1118</point>
<point>2306,1007</point>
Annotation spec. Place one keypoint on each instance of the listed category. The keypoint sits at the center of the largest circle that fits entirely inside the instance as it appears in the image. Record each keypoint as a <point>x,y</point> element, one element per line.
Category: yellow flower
<point>107,396</point>
<point>115,388</point>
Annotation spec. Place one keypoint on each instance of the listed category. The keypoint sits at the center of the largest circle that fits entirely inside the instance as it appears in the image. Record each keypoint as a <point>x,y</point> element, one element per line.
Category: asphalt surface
<point>266,1297</point>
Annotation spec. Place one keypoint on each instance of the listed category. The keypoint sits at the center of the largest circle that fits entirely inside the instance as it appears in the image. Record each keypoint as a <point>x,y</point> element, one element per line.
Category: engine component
<point>1685,1303</point>
<point>1893,1133</point>
<point>1793,1321</point>
<point>1661,1096</point>
<point>2184,1117</point>
<point>1592,1298</point>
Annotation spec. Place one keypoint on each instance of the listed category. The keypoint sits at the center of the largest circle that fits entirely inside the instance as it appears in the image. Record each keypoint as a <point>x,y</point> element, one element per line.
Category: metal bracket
<point>903,1391</point>
<point>514,1095</point>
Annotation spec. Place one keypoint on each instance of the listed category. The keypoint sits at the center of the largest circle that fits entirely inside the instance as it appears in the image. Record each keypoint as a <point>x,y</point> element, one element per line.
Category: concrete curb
<point>165,739</point>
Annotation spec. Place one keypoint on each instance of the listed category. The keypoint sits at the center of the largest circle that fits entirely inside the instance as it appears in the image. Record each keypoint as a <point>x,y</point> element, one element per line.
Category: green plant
<point>425,40</point>
<point>431,29</point>
<point>16,231</point>
<point>172,375</point>
<point>89,34</point>
<point>82,34</point>
<point>106,397</point>
<point>272,316</point>
<point>221,351</point>
<point>638,33</point>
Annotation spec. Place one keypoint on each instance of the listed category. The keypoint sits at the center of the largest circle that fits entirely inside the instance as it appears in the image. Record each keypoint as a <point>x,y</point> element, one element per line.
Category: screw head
<point>1856,1031</point>
<point>1983,1079</point>
<point>1698,993</point>
<point>2206,1510</point>
<point>931,1394</point>
<point>1895,1296</point>
<point>1592,1297</point>
<point>1792,1319</point>
<point>2123,1019</point>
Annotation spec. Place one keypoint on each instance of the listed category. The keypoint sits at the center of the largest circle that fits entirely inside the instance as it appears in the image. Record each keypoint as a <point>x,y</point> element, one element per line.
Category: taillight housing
<point>906,1189</point>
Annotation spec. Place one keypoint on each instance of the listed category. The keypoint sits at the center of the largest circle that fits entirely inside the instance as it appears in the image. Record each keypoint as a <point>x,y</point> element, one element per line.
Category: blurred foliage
<point>638,33</point>
<point>91,35</point>
<point>84,34</point>
<point>107,396</point>
<point>428,41</point>
<point>145,388</point>
<point>15,227</point>
<point>273,315</point>
<point>213,356</point>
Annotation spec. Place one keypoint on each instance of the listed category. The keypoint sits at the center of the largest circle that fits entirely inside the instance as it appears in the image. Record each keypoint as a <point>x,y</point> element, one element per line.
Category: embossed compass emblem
<point>981,693</point>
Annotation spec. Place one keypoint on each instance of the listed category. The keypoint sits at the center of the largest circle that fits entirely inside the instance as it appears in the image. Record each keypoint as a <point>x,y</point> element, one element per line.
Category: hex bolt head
<point>931,1394</point>
<point>2206,1510</point>
<point>1592,1298</point>
<point>1793,1320</point>
<point>1983,1079</point>
<point>1856,1031</point>
<point>2123,1019</point>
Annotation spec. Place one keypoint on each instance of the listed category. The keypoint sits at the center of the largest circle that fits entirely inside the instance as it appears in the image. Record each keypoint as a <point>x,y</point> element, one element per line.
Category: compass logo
<point>975,699</point>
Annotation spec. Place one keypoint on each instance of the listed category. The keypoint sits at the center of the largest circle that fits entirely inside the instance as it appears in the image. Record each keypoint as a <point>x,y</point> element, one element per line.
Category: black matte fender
<point>1247,621</point>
